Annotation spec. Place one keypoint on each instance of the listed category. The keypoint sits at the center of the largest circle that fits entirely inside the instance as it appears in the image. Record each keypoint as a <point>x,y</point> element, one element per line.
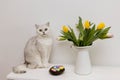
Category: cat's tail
<point>20,69</point>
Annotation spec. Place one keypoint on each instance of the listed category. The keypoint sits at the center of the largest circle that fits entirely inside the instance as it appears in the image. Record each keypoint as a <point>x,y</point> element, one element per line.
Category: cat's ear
<point>48,24</point>
<point>36,26</point>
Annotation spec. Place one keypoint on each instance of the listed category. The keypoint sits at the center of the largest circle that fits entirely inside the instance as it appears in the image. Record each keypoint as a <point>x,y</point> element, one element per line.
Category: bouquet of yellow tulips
<point>88,33</point>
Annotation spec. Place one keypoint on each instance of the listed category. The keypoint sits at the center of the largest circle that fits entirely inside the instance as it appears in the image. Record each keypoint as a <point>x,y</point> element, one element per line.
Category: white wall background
<point>17,19</point>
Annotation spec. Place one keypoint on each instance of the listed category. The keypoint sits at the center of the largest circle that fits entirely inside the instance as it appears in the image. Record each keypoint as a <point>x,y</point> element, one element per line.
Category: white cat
<point>37,50</point>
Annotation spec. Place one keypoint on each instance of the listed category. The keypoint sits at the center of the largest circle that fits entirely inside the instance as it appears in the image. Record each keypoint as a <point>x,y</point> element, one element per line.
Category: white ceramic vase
<point>83,62</point>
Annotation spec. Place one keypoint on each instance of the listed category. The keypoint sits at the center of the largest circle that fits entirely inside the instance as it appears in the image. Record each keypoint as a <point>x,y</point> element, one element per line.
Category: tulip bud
<point>61,38</point>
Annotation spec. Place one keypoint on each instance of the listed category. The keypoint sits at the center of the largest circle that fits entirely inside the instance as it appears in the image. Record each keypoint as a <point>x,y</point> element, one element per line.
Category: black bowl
<point>57,70</point>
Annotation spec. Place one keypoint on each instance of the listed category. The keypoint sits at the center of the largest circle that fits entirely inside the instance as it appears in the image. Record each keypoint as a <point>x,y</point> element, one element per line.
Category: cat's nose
<point>43,33</point>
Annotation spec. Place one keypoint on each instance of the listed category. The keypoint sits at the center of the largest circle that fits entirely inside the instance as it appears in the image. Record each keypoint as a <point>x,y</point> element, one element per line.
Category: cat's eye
<point>40,30</point>
<point>46,29</point>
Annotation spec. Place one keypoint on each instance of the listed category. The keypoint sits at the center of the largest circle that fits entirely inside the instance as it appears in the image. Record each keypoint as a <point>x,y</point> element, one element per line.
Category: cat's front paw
<point>46,65</point>
<point>32,66</point>
<point>40,66</point>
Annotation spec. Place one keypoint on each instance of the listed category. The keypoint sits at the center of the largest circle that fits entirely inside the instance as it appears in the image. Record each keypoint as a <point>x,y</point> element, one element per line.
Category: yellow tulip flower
<point>65,28</point>
<point>87,24</point>
<point>101,25</point>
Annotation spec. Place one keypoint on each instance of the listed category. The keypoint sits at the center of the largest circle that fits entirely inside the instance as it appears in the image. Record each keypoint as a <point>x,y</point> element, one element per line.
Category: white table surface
<point>98,73</point>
